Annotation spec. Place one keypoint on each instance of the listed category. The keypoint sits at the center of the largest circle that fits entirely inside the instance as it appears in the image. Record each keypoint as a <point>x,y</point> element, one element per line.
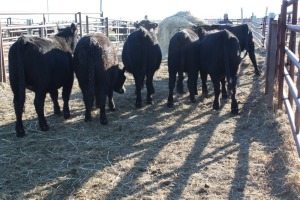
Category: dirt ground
<point>187,152</point>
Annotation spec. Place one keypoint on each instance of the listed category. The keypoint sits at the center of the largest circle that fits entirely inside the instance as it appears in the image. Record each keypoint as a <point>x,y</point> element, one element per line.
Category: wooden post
<point>268,50</point>
<point>271,61</point>
<point>282,34</point>
<point>2,67</point>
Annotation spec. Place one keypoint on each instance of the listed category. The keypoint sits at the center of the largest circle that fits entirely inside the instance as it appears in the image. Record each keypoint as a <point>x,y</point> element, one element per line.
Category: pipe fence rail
<point>281,65</point>
<point>258,28</point>
<point>11,28</point>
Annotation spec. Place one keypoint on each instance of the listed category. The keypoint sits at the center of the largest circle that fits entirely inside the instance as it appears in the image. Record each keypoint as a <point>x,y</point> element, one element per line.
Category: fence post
<point>106,26</point>
<point>29,23</point>
<point>292,47</point>
<point>80,24</point>
<point>2,67</point>
<point>271,59</point>
<point>297,112</point>
<point>87,24</point>
<point>281,45</point>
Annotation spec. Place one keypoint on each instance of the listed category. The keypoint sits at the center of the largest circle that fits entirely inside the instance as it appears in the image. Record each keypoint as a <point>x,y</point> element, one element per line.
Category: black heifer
<point>217,54</point>
<point>42,65</point>
<point>176,59</point>
<point>97,70</point>
<point>245,37</point>
<point>141,57</point>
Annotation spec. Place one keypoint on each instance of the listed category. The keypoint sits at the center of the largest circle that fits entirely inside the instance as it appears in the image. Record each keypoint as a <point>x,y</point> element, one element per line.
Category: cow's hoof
<point>170,104</point>
<point>257,72</point>
<point>45,128</point>
<point>20,133</point>
<point>234,108</point>
<point>87,118</point>
<point>57,112</point>
<point>150,102</point>
<point>138,104</point>
<point>216,106</point>
<point>235,111</point>
<point>112,109</point>
<point>196,92</point>
<point>224,96</point>
<point>179,90</point>
<point>67,115</point>
<point>193,100</point>
<point>103,121</point>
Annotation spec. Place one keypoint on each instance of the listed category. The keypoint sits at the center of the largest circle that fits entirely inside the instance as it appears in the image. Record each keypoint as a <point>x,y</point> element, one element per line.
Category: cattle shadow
<point>129,183</point>
<point>255,132</point>
<point>39,148</point>
<point>76,151</point>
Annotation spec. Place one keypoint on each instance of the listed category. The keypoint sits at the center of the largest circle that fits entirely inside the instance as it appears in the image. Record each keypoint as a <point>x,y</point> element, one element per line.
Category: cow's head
<point>200,30</point>
<point>119,82</point>
<point>70,34</point>
<point>146,24</point>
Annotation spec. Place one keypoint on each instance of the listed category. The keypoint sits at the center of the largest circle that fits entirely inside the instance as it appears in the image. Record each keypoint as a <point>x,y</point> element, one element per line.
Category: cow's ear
<point>136,24</point>
<point>73,27</point>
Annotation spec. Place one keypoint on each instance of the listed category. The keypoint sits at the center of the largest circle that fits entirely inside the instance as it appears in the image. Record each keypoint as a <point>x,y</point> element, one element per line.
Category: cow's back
<point>178,44</point>
<point>44,63</point>
<point>94,54</point>
<point>141,51</point>
<point>217,48</point>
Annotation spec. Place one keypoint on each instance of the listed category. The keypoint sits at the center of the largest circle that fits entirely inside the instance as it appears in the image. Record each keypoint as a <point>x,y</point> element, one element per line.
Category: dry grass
<point>187,152</point>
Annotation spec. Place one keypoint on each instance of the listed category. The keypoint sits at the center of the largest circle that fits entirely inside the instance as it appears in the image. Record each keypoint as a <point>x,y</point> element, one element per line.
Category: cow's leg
<point>253,60</point>
<point>179,86</point>
<point>203,76</point>
<point>39,102</point>
<point>19,107</point>
<point>172,80</point>
<point>66,92</point>
<point>88,99</point>
<point>234,104</point>
<point>111,103</point>
<point>150,87</point>
<point>138,88</point>
<point>101,101</point>
<point>224,91</point>
<point>54,97</point>
<point>216,83</point>
<point>88,94</point>
<point>192,81</point>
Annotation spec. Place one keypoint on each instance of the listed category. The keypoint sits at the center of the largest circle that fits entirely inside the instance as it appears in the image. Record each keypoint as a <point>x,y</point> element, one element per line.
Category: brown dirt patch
<point>187,152</point>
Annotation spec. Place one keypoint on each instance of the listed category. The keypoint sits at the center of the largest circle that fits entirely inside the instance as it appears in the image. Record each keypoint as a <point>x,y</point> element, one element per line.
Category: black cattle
<point>97,70</point>
<point>42,65</point>
<point>217,54</point>
<point>245,37</point>
<point>141,57</point>
<point>176,59</point>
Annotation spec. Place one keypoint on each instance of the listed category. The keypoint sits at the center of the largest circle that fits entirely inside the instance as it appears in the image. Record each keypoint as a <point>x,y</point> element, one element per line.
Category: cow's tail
<point>91,72</point>
<point>226,53</point>
<point>144,61</point>
<point>21,73</point>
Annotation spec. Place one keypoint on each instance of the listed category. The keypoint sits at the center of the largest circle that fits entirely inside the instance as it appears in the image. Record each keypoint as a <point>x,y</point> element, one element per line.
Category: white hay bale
<point>170,25</point>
